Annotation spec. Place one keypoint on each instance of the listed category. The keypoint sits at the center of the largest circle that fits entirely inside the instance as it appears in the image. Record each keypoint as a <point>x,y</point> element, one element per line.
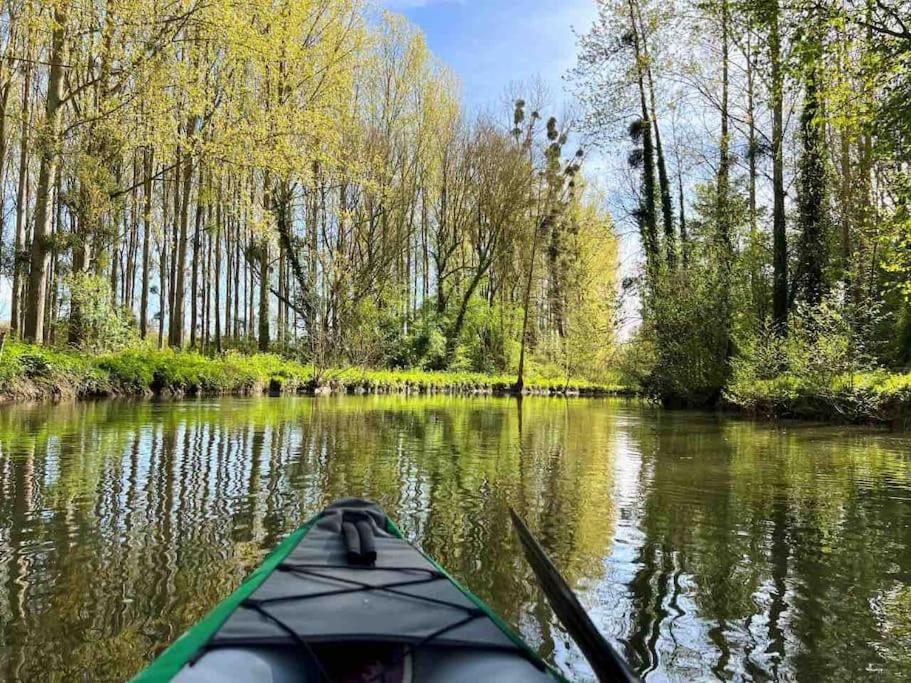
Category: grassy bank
<point>880,396</point>
<point>37,373</point>
<point>34,373</point>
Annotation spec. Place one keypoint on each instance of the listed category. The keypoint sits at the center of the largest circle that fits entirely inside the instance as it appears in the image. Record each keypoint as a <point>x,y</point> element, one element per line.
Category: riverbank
<point>35,373</point>
<point>871,397</point>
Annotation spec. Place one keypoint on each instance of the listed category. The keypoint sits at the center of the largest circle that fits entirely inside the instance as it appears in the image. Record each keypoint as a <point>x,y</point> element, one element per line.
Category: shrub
<point>34,365</point>
<point>686,325</point>
<point>634,362</point>
<point>100,326</point>
<point>132,370</point>
<point>825,364</point>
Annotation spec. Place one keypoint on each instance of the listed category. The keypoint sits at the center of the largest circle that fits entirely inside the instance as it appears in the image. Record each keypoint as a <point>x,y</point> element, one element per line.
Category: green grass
<point>879,396</point>
<point>29,372</point>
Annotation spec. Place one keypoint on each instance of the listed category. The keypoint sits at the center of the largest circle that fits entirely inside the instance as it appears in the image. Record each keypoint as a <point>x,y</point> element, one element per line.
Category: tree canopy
<point>297,176</point>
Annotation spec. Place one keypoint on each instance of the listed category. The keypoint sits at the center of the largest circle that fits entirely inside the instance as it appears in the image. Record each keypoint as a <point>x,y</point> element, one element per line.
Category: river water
<point>703,547</point>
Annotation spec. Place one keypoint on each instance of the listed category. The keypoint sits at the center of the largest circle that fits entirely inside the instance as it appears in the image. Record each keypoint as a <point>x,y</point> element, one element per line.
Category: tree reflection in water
<point>704,547</point>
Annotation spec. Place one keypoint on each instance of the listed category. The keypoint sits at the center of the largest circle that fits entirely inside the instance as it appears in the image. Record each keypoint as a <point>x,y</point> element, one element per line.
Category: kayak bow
<point>347,598</point>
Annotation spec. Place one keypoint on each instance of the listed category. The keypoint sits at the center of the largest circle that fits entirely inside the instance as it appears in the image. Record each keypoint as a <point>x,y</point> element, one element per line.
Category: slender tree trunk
<point>114,253</point>
<point>194,277</point>
<point>4,143</point>
<point>779,234</point>
<point>264,269</point>
<point>174,240</point>
<point>722,208</point>
<point>684,237</point>
<point>280,321</point>
<point>217,275</point>
<point>237,238</point>
<point>136,239</point>
<point>229,270</point>
<point>51,290</point>
<point>864,190</point>
<point>846,204</point>
<point>210,276</point>
<point>39,257</point>
<point>313,326</point>
<point>250,285</point>
<point>19,257</point>
<point>177,319</point>
<point>129,279</point>
<point>647,220</point>
<point>425,249</point>
<point>846,198</point>
<point>664,186</point>
<point>752,152</point>
<point>149,161</point>
<point>526,298</point>
<point>163,265</point>
<point>723,200</point>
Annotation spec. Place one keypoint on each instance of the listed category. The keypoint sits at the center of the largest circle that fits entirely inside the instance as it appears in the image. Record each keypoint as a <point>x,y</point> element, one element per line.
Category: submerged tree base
<point>34,373</point>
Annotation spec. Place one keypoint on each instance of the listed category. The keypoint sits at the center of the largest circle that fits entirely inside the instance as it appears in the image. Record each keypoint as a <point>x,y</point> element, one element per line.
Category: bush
<point>36,372</point>
<point>687,326</point>
<point>428,347</point>
<point>98,325</point>
<point>133,370</point>
<point>634,362</point>
<point>33,372</point>
<point>825,365</point>
<point>34,365</point>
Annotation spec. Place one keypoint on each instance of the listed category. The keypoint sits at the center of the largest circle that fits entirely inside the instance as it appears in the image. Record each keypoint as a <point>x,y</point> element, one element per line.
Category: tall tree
<point>667,207</point>
<point>49,136</point>
<point>770,13</point>
<point>812,220</point>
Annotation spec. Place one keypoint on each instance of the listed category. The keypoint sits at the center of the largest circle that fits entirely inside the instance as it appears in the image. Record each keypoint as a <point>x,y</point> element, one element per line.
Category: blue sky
<point>490,43</point>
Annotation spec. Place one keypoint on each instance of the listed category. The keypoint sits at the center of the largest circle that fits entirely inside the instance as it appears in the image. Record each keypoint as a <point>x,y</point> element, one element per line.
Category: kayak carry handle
<point>360,543</point>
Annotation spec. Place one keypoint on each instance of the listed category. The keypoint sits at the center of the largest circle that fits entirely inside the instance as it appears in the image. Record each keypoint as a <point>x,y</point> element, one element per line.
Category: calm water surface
<point>705,548</point>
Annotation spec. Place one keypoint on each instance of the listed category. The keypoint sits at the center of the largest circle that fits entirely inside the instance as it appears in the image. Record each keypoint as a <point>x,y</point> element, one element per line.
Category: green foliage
<point>686,324</point>
<point>33,372</point>
<point>634,361</point>
<point>809,280</point>
<point>490,341</point>
<point>824,367</point>
<point>425,347</point>
<point>101,327</point>
<point>36,372</point>
<point>487,343</point>
<point>376,335</point>
<point>895,239</point>
<point>132,370</point>
<point>34,365</point>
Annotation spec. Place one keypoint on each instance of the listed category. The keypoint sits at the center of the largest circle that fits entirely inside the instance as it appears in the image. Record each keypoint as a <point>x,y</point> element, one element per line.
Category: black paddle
<point>606,663</point>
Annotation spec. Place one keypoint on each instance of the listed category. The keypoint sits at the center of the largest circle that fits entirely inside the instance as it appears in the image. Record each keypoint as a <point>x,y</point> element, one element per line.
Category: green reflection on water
<point>703,547</point>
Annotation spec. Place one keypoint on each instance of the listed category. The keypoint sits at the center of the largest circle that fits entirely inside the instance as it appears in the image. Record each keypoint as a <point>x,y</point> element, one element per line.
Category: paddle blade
<point>606,663</point>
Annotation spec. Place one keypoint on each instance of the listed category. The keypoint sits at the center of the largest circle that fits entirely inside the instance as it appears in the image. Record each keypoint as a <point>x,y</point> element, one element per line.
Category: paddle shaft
<point>606,663</point>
